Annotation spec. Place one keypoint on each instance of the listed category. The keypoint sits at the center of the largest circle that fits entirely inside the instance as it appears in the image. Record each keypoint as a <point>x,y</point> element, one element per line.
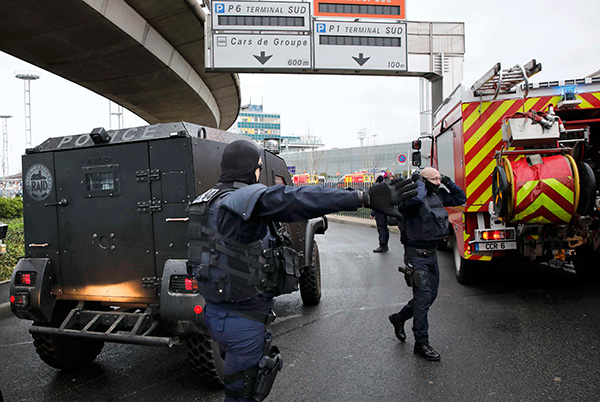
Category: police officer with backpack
<point>423,225</point>
<point>241,263</point>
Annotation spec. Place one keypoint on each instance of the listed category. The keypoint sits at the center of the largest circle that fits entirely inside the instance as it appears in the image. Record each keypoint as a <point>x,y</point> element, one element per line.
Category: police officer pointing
<point>423,225</point>
<point>241,263</point>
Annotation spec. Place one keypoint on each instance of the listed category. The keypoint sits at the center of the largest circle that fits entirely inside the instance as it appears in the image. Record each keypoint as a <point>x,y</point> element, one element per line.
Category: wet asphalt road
<point>526,334</point>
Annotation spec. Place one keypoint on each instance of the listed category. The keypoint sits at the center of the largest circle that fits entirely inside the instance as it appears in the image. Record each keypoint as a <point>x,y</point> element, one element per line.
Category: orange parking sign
<point>391,9</point>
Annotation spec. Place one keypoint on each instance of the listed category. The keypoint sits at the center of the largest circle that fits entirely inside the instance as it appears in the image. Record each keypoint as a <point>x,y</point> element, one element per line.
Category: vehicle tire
<point>205,358</point>
<point>466,271</point>
<point>66,353</point>
<point>310,279</point>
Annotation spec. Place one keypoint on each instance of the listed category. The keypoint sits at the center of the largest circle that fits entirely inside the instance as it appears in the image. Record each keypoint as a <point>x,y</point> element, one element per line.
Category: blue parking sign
<point>219,8</point>
<point>321,28</point>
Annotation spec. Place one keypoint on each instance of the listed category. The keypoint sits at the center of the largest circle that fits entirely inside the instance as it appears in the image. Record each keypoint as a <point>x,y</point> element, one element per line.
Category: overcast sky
<point>563,36</point>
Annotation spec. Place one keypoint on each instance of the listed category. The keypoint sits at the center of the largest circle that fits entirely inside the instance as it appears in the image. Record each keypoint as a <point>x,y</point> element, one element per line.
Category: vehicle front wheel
<point>310,280</point>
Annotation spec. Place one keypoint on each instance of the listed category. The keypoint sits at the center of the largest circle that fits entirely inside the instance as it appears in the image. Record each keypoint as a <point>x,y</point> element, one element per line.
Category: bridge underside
<point>146,55</point>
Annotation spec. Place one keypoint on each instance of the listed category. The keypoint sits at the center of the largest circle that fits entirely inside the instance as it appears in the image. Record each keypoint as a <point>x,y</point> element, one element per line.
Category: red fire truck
<point>528,158</point>
<point>358,177</point>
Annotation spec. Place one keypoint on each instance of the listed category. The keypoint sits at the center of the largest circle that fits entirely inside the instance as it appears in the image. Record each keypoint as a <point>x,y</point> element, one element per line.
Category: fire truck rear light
<point>493,235</point>
<point>21,299</point>
<point>198,309</point>
<point>25,278</point>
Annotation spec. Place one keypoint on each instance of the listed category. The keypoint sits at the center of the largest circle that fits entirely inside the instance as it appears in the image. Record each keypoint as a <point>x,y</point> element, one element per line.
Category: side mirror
<point>416,158</point>
<point>416,144</point>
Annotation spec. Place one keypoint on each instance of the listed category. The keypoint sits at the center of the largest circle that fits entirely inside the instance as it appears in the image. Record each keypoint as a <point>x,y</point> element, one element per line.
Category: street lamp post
<point>118,114</point>
<point>27,77</point>
<point>5,118</point>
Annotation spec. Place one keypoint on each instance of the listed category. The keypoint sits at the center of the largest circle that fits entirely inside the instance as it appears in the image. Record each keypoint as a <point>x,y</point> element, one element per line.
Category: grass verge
<point>15,247</point>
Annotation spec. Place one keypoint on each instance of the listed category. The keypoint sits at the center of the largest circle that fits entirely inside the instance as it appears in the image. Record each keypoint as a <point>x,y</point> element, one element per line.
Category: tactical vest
<point>430,223</point>
<point>231,271</point>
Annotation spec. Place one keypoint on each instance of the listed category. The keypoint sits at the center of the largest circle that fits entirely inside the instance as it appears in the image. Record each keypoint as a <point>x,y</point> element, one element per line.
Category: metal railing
<point>364,213</point>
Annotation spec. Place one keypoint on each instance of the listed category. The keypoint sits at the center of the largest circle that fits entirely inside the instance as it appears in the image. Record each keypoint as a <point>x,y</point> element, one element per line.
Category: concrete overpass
<point>146,55</point>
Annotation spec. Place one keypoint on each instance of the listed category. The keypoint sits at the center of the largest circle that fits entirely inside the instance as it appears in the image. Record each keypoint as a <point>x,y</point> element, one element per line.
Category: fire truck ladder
<point>497,81</point>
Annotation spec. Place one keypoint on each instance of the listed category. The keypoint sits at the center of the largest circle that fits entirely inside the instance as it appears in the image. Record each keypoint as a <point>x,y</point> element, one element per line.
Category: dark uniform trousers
<point>427,279</point>
<point>382,229</point>
<point>241,341</point>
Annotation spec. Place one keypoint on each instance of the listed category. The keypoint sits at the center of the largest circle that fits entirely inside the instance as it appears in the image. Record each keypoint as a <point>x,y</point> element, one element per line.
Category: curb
<point>4,294</point>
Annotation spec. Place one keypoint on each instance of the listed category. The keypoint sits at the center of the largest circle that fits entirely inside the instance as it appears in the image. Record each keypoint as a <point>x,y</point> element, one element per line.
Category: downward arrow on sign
<point>360,59</point>
<point>262,59</point>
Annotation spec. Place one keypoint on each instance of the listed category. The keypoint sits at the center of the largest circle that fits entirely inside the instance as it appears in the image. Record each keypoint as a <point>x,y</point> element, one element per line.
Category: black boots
<point>381,249</point>
<point>427,352</point>
<point>398,327</point>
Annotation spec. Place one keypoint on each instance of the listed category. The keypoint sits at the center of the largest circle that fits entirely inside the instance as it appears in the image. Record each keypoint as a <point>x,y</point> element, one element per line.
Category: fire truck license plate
<point>497,245</point>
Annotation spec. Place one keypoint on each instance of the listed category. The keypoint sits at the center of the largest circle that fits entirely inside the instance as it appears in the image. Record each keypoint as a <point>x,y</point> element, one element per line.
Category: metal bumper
<point>111,326</point>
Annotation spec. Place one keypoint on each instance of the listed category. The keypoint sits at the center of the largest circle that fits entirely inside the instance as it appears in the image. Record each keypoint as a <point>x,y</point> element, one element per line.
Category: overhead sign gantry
<point>332,37</point>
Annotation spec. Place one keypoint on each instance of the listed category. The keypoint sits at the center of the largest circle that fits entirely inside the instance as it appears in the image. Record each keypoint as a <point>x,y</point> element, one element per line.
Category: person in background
<point>241,264</point>
<point>381,220</point>
<point>423,225</point>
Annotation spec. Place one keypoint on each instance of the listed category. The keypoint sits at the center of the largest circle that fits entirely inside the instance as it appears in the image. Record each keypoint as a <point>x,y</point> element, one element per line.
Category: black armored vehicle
<point>106,242</point>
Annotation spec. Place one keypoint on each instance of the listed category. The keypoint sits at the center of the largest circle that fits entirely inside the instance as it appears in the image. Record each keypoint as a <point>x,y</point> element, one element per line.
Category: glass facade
<point>340,161</point>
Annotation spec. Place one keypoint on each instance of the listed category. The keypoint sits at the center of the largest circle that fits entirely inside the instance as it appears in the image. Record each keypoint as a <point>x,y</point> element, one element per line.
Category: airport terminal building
<point>337,162</point>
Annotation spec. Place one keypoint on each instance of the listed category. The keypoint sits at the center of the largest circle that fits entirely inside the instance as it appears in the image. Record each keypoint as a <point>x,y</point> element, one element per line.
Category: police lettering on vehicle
<point>39,182</point>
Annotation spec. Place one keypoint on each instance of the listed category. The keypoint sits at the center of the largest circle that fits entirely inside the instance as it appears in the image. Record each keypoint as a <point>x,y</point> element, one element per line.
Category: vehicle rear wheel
<point>310,280</point>
<point>206,360</point>
<point>466,271</point>
<point>66,353</point>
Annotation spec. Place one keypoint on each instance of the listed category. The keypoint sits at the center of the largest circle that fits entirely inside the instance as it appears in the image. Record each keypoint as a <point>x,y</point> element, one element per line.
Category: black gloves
<point>445,180</point>
<point>383,196</point>
<point>416,176</point>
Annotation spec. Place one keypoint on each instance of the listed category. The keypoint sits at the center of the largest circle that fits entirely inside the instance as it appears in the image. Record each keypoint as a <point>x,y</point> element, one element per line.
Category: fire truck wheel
<point>66,353</point>
<point>587,192</point>
<point>310,280</point>
<point>466,271</point>
<point>206,360</point>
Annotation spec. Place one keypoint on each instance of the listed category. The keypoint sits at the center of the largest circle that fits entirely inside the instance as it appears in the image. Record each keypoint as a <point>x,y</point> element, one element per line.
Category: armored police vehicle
<point>106,242</point>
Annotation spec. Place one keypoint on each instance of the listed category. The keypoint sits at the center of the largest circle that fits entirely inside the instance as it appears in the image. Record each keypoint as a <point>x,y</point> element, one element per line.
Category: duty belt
<point>419,252</point>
